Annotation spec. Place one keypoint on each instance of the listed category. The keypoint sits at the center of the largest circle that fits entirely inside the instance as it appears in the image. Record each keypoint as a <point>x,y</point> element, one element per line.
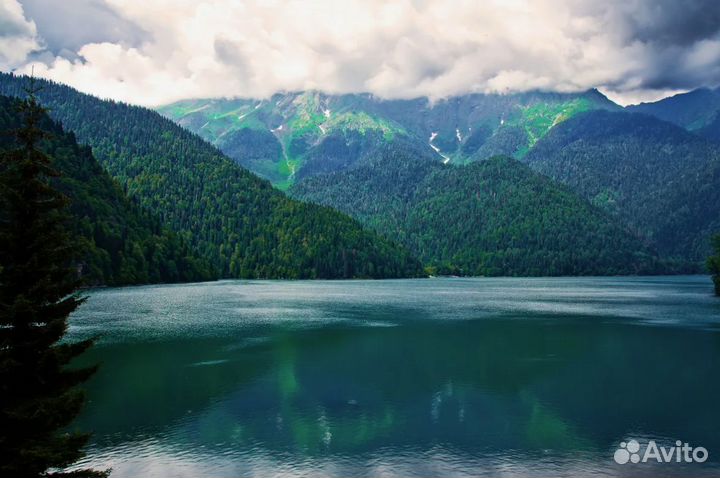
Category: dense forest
<point>236,221</point>
<point>713,263</point>
<point>697,111</point>
<point>711,131</point>
<point>494,217</point>
<point>659,179</point>
<point>692,110</point>
<point>119,244</point>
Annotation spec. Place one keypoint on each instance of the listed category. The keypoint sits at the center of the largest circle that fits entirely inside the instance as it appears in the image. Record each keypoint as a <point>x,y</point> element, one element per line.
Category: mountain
<point>285,137</point>
<point>600,151</point>
<point>291,136</point>
<point>660,179</point>
<point>492,217</point>
<point>237,221</point>
<point>711,131</point>
<point>119,244</point>
<point>693,110</point>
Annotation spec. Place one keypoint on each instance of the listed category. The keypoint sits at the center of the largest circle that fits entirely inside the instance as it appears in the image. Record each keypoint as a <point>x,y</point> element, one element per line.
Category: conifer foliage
<point>38,290</point>
<point>713,263</point>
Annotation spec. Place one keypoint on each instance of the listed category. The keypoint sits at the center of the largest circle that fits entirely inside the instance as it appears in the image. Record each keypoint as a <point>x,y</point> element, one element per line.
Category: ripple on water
<point>447,377</point>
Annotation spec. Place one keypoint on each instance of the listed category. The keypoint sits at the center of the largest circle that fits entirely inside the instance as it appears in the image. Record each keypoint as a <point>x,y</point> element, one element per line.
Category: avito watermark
<point>630,452</point>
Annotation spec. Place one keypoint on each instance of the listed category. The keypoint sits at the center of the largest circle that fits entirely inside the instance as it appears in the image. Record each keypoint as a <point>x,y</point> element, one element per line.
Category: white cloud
<point>18,36</point>
<point>634,97</point>
<point>402,48</point>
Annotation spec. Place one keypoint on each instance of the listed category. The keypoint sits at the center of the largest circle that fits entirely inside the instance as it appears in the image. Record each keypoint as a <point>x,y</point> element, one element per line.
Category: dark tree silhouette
<point>38,290</point>
<point>713,263</point>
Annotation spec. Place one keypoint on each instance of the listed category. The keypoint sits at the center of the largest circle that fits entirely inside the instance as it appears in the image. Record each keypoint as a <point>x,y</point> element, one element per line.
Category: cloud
<point>157,51</point>
<point>68,25</point>
<point>669,22</point>
<point>18,36</point>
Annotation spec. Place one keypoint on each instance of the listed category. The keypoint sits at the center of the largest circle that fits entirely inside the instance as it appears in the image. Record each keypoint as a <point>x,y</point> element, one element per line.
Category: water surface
<point>437,377</point>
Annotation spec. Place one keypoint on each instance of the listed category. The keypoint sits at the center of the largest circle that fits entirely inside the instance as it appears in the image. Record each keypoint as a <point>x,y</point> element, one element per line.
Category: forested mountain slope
<point>658,178</point>
<point>238,222</point>
<point>493,217</point>
<point>711,131</point>
<point>118,243</point>
<point>692,110</point>
<point>290,136</point>
<point>697,111</point>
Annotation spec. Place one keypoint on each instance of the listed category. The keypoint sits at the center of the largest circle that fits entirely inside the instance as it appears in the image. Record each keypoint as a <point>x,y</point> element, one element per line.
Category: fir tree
<point>38,290</point>
<point>713,263</point>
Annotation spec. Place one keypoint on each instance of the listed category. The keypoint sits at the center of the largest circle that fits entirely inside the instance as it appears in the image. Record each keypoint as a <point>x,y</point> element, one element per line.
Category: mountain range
<point>533,183</point>
<point>697,111</point>
<point>295,135</point>
<point>693,110</point>
<point>651,169</point>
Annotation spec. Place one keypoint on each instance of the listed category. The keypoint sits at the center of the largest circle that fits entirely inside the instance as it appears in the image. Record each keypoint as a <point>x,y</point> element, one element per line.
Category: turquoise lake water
<point>434,377</point>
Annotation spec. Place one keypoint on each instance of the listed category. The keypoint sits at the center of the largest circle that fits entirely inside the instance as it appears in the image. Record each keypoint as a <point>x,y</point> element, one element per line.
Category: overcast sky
<point>156,51</point>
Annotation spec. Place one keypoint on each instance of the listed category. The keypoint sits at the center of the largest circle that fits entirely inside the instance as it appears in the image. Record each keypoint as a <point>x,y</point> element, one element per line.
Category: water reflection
<point>526,393</point>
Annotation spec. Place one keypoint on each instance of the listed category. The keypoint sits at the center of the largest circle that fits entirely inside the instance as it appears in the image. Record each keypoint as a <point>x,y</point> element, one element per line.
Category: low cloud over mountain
<point>154,52</point>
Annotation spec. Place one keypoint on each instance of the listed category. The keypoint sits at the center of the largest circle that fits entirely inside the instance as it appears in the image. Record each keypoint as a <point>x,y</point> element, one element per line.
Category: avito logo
<point>630,452</point>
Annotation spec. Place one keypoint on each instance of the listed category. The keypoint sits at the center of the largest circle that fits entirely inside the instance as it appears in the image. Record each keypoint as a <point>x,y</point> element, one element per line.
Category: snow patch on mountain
<point>445,157</point>
<point>205,106</point>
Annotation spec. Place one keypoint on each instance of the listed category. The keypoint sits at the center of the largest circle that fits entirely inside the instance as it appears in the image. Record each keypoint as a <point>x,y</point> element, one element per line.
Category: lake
<point>433,377</point>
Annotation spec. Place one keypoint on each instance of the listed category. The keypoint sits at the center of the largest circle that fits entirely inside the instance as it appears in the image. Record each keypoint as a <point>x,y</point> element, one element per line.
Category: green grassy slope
<point>288,125</point>
<point>296,133</point>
